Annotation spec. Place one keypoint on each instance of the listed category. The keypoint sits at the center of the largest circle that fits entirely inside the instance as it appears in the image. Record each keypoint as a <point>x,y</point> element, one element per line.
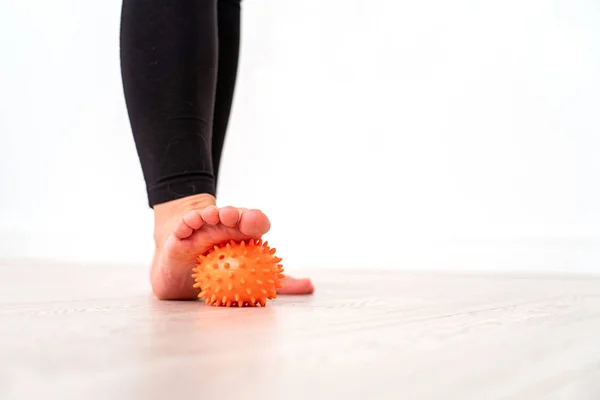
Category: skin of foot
<point>190,226</point>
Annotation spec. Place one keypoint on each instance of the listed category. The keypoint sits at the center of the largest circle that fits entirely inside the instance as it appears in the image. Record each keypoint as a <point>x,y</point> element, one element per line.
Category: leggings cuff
<point>174,189</point>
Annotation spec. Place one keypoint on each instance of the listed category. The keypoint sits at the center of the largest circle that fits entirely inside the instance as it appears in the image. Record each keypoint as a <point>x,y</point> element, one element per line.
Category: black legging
<point>179,63</point>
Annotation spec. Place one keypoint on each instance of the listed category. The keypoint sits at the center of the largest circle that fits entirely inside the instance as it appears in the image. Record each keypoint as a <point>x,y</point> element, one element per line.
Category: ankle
<point>167,215</point>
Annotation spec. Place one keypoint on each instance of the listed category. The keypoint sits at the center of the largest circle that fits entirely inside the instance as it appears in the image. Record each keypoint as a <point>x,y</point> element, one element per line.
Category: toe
<point>182,230</point>
<point>254,223</point>
<point>211,215</point>
<point>229,216</point>
<point>193,219</point>
<point>296,286</point>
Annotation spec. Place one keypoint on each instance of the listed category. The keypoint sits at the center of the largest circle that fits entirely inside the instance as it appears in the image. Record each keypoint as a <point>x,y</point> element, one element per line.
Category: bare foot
<point>187,227</point>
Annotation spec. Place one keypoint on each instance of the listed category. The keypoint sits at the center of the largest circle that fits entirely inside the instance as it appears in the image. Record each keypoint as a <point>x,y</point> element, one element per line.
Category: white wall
<point>399,134</point>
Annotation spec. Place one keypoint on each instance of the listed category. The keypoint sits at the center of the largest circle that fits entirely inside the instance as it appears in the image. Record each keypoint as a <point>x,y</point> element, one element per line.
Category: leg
<point>169,69</point>
<point>169,53</point>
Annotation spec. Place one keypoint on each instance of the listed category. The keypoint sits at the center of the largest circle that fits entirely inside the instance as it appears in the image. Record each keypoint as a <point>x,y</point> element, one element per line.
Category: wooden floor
<point>94,332</point>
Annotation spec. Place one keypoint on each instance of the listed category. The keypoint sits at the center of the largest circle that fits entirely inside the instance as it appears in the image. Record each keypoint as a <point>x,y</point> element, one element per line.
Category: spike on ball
<point>245,273</point>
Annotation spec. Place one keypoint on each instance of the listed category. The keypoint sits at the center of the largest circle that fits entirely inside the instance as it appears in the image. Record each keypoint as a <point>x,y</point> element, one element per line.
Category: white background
<point>380,134</point>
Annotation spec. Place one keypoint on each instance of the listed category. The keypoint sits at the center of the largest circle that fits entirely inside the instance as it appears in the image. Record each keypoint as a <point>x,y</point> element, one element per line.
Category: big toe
<point>296,286</point>
<point>254,223</point>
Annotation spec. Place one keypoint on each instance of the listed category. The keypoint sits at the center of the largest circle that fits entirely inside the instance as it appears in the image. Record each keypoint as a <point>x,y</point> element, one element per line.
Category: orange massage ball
<point>245,273</point>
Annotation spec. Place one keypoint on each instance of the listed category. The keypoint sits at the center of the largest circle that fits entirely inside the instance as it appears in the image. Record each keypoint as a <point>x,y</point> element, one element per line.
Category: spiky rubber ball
<point>245,273</point>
